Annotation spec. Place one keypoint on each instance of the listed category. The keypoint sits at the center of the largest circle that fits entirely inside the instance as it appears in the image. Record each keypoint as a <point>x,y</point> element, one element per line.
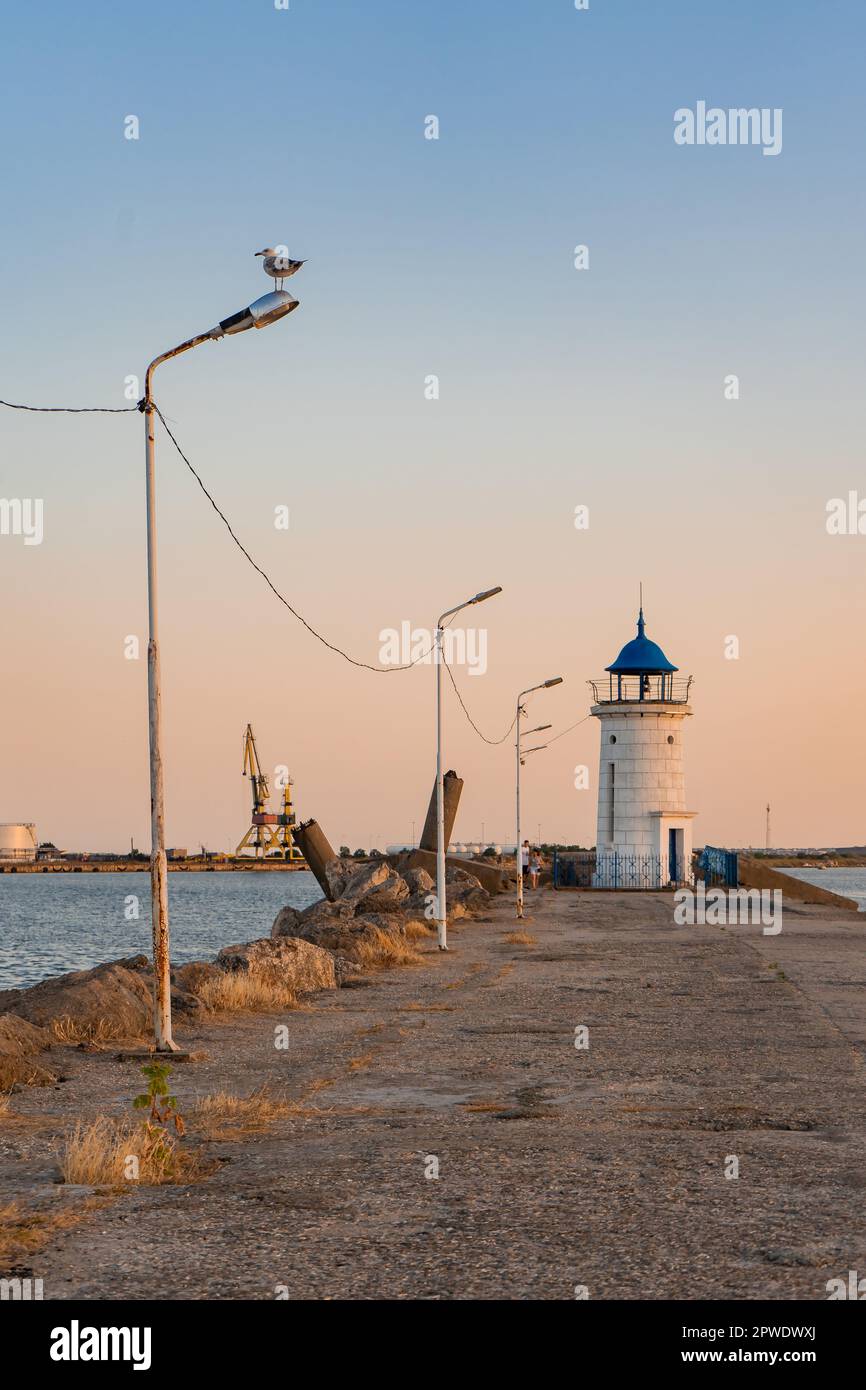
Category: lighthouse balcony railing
<point>614,689</point>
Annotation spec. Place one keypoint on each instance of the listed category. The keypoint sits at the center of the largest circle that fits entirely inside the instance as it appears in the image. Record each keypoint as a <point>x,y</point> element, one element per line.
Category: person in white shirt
<point>524,859</point>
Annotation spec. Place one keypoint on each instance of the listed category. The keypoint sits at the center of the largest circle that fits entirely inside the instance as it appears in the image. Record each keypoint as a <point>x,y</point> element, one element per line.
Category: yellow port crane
<point>268,834</point>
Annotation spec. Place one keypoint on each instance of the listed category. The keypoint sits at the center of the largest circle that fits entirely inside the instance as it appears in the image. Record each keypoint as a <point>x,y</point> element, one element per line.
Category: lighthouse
<point>644,831</point>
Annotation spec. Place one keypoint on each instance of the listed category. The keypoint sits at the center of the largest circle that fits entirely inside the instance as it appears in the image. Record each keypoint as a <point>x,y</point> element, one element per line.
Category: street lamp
<point>266,310</point>
<point>545,685</point>
<point>441,927</point>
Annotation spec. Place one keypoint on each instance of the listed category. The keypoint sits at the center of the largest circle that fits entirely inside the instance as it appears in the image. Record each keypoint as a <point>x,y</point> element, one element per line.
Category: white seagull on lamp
<point>278,263</point>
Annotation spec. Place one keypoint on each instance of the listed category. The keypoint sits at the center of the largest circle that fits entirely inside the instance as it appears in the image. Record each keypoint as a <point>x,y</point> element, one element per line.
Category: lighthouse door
<point>673,862</point>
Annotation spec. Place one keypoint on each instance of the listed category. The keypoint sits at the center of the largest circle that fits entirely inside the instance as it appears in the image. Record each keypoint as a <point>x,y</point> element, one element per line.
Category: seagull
<point>278,263</point>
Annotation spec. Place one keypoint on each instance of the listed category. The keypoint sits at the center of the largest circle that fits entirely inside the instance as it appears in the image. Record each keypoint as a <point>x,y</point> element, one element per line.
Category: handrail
<point>612,689</point>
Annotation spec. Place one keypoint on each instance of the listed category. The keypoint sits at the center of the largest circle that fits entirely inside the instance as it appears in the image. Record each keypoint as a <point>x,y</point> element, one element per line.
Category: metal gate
<point>587,869</point>
<point>719,866</point>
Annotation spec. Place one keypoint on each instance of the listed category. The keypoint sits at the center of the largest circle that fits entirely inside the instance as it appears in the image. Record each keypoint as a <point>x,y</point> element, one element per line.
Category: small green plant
<point>158,1099</point>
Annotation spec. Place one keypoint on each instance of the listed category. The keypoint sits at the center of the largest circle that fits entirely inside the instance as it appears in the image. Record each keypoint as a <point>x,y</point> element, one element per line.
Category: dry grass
<point>484,1107</point>
<point>224,1116</point>
<point>519,938</point>
<point>417,931</point>
<point>4,1102</point>
<point>97,1155</point>
<point>23,1233</point>
<point>381,950</point>
<point>23,1071</point>
<point>75,1033</point>
<point>238,992</point>
<point>321,1084</point>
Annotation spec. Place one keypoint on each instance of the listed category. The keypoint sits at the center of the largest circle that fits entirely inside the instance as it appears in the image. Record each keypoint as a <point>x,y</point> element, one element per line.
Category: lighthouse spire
<point>640,621</point>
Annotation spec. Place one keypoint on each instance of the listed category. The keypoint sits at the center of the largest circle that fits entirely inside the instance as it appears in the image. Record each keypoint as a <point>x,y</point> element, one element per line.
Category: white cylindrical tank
<point>18,840</point>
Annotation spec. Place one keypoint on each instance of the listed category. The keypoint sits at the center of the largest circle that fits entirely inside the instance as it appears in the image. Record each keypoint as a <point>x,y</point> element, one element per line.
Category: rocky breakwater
<point>371,914</point>
<point>372,918</point>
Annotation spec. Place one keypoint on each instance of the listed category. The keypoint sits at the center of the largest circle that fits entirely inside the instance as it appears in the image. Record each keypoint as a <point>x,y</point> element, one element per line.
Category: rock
<point>113,1001</point>
<point>289,923</point>
<point>374,887</point>
<point>465,899</point>
<point>388,897</point>
<point>20,1042</point>
<point>491,876</point>
<point>187,981</point>
<point>337,873</point>
<point>324,911</point>
<point>110,1001</point>
<point>285,921</point>
<point>419,882</point>
<point>346,969</point>
<point>394,923</point>
<point>368,939</point>
<point>287,960</point>
<point>453,874</point>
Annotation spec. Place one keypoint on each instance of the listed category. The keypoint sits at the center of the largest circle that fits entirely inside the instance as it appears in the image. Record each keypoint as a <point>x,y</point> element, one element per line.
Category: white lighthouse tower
<point>644,832</point>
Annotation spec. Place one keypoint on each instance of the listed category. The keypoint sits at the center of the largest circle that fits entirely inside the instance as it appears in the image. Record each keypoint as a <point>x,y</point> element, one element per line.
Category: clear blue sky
<point>260,126</point>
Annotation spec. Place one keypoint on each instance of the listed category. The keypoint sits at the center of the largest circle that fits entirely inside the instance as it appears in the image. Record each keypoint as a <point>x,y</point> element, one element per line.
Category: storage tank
<point>18,840</point>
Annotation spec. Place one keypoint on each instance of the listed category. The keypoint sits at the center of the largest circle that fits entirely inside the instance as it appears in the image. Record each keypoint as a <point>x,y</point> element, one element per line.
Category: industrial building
<point>18,841</point>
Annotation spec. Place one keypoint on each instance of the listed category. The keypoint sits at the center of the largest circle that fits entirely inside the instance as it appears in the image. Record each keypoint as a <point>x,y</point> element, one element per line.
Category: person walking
<point>534,868</point>
<point>524,860</point>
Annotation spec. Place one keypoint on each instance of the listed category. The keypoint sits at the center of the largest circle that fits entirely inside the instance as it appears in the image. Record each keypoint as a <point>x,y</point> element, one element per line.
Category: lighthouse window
<point>670,738</point>
<point>613,738</point>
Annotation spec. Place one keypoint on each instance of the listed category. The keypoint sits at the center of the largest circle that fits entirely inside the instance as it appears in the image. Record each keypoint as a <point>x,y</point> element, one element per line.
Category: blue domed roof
<point>640,656</point>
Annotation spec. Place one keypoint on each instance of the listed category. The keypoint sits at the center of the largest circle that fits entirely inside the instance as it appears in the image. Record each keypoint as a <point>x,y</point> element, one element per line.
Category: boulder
<point>296,963</point>
<point>187,981</point>
<point>375,888</point>
<point>465,899</point>
<point>337,873</point>
<point>346,970</point>
<point>490,875</point>
<point>419,882</point>
<point>357,938</point>
<point>288,922</point>
<point>20,1042</point>
<point>285,921</point>
<point>110,1001</point>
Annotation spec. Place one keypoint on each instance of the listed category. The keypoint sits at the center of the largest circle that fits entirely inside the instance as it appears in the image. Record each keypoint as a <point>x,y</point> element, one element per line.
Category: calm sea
<point>50,923</point>
<point>851,883</point>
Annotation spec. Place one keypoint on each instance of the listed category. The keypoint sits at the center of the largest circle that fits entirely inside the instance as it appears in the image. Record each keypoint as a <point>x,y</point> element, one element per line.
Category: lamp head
<point>263,311</point>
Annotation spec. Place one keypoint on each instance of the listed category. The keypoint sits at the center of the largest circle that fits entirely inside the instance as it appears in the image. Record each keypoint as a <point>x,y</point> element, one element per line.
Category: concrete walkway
<point>557,1167</point>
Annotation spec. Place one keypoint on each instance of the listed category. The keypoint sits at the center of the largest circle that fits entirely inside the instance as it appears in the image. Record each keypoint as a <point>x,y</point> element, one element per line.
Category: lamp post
<point>258,315</point>
<point>441,926</point>
<point>518,858</point>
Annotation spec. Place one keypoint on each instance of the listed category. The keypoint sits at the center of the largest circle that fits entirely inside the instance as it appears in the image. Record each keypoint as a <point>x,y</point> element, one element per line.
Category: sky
<point>606,387</point>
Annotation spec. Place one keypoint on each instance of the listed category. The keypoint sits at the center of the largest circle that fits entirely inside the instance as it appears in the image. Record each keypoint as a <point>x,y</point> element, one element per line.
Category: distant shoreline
<point>142,866</point>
